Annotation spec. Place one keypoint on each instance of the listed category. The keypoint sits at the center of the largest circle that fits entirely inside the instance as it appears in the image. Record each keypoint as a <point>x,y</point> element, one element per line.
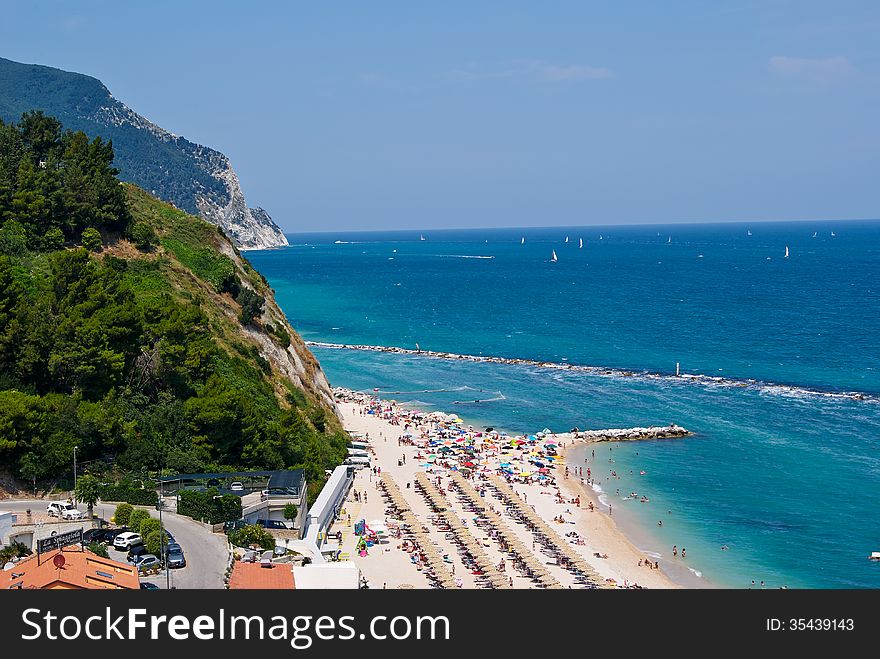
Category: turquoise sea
<point>784,469</point>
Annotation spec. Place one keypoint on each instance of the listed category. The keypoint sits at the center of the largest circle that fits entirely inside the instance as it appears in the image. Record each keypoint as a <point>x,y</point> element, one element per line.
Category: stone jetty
<point>671,431</point>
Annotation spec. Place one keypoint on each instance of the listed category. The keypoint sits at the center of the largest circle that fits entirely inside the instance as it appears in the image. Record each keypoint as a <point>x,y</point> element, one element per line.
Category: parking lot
<point>206,552</point>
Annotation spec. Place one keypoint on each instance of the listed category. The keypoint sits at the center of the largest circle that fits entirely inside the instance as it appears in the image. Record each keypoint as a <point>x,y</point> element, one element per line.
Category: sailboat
<point>582,243</point>
<point>833,234</point>
<point>566,239</point>
<point>814,233</point>
<point>668,242</point>
<point>523,241</point>
<point>600,236</point>
<point>553,258</point>
<point>786,251</point>
<point>421,237</point>
<point>748,232</point>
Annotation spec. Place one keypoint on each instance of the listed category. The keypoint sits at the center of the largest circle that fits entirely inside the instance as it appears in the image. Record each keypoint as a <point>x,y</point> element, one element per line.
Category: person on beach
<point>683,552</point>
<point>674,550</point>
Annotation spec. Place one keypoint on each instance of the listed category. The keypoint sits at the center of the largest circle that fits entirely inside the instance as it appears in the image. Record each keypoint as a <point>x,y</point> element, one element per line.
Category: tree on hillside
<point>290,512</point>
<point>91,239</point>
<point>41,134</point>
<point>251,305</point>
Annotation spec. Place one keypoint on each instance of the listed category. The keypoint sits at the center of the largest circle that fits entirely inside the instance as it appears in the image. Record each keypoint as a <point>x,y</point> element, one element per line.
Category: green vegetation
<point>99,548</point>
<point>209,506</point>
<point>172,169</point>
<point>148,527</point>
<point>154,541</point>
<point>15,549</point>
<point>129,491</point>
<point>121,333</point>
<point>137,518</point>
<point>87,490</point>
<point>56,186</point>
<point>123,514</point>
<point>252,536</point>
<point>290,512</point>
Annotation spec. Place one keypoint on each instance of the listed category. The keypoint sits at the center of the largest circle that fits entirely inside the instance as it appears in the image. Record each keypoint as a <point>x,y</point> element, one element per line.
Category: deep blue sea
<point>786,477</point>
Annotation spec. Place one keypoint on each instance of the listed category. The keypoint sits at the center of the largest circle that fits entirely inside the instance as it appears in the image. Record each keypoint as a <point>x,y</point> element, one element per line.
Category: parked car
<point>237,486</point>
<point>172,546</point>
<point>176,558</point>
<point>271,524</point>
<point>135,552</point>
<point>63,510</point>
<point>232,526</point>
<point>126,539</point>
<point>95,535</point>
<point>146,585</point>
<point>146,561</point>
<point>111,534</point>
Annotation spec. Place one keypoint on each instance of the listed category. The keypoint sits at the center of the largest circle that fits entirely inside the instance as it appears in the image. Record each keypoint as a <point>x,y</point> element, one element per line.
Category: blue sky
<point>376,115</point>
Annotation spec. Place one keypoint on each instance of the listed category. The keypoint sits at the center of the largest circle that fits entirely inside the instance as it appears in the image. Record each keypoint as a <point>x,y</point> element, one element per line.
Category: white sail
<point>669,241</point>
<point>748,233</point>
<point>815,233</point>
<point>553,258</point>
<point>523,241</point>
<point>566,239</point>
<point>421,237</point>
<point>582,243</point>
<point>833,234</point>
<point>786,251</point>
<point>600,236</point>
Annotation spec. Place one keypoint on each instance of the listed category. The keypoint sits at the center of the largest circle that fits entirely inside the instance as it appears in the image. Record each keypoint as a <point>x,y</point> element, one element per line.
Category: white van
<point>357,452</point>
<point>360,445</point>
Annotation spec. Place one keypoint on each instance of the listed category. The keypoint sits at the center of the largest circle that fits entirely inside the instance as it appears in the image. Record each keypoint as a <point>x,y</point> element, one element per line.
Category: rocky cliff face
<point>222,204</point>
<point>195,178</point>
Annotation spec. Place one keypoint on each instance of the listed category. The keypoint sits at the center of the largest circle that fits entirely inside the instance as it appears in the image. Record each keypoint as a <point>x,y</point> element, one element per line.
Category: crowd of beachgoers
<point>478,507</point>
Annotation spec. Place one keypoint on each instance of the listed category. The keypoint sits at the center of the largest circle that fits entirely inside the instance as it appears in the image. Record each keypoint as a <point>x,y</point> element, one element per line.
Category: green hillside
<point>137,332</point>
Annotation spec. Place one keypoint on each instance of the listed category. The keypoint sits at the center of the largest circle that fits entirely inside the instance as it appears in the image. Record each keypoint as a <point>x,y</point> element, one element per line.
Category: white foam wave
<point>463,256</point>
<point>707,381</point>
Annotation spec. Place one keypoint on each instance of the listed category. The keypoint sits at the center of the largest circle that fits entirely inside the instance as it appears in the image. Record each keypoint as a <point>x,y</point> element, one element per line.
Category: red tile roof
<point>82,569</point>
<point>258,577</point>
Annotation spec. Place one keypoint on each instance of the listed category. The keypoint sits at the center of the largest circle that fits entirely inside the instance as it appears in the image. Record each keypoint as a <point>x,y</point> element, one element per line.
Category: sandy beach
<point>404,443</point>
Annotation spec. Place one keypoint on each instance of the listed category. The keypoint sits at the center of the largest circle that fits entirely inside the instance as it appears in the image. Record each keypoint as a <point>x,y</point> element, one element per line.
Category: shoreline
<point>631,530</point>
<point>606,547</point>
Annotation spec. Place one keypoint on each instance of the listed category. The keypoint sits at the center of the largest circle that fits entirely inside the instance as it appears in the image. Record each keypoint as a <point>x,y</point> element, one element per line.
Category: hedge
<point>128,493</point>
<point>208,506</point>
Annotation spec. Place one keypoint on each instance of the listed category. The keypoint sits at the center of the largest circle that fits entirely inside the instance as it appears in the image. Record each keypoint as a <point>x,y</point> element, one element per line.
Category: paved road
<point>206,552</point>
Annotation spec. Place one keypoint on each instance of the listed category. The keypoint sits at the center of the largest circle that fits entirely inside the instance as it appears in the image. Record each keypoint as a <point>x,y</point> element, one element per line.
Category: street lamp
<point>162,552</point>
<point>74,474</point>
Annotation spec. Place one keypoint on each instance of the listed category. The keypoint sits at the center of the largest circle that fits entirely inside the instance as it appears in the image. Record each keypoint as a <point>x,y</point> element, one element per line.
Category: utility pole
<point>74,474</point>
<point>162,536</point>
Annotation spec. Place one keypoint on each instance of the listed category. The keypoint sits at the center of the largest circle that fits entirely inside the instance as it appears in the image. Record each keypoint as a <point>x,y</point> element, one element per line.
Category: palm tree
<point>87,488</point>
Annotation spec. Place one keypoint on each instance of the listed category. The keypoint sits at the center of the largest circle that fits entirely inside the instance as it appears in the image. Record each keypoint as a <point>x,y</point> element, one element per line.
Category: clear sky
<point>375,115</point>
